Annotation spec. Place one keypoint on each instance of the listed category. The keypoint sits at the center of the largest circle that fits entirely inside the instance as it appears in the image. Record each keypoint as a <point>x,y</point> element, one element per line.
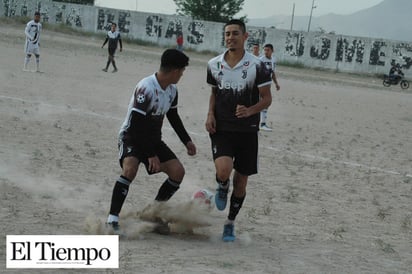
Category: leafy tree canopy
<point>210,10</point>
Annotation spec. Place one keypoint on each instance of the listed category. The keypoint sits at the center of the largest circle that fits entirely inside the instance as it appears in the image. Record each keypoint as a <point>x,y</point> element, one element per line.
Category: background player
<point>113,37</point>
<point>270,62</point>
<point>32,46</point>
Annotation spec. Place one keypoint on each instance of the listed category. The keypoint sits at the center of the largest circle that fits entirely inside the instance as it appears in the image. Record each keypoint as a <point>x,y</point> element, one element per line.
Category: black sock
<point>235,205</point>
<point>223,184</point>
<point>108,63</point>
<point>166,191</point>
<point>114,65</point>
<point>120,190</point>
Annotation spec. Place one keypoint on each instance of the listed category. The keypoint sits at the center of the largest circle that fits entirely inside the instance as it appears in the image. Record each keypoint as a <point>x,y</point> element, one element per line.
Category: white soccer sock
<point>26,62</point>
<point>229,222</point>
<point>112,218</point>
<point>263,115</point>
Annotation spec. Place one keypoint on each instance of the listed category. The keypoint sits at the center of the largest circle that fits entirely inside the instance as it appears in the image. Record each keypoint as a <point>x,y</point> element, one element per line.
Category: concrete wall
<point>345,53</point>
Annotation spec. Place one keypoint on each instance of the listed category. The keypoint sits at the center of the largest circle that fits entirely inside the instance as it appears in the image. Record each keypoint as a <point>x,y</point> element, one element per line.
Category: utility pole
<point>293,16</point>
<point>311,10</point>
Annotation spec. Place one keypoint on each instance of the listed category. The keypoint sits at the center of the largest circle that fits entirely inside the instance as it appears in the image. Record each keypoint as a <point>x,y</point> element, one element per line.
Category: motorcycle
<point>396,79</point>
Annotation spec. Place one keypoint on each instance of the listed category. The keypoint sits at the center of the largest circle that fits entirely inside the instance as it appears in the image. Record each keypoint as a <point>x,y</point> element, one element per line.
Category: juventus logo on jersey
<point>244,74</point>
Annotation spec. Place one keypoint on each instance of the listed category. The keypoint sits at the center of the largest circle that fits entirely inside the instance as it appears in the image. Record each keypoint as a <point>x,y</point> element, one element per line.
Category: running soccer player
<point>270,62</point>
<point>113,37</point>
<point>140,137</point>
<point>32,45</point>
<point>240,85</point>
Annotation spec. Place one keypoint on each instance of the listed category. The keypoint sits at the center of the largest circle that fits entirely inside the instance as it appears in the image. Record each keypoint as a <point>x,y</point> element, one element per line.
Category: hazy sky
<point>253,8</point>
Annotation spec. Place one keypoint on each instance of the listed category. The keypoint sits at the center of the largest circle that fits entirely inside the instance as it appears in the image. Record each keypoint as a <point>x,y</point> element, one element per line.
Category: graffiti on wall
<point>196,33</point>
<point>376,53</point>
<point>195,29</point>
<point>256,36</point>
<point>105,18</point>
<point>320,48</point>
<point>174,28</point>
<point>402,52</point>
<point>346,50</point>
<point>295,44</point>
<point>71,17</point>
<point>19,8</point>
<point>154,26</point>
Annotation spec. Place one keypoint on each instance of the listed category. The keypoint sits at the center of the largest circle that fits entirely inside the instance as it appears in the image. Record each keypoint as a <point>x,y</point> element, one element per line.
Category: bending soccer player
<point>140,137</point>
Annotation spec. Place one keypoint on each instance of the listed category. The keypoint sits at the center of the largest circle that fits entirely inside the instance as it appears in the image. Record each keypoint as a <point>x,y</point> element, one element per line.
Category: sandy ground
<point>333,193</point>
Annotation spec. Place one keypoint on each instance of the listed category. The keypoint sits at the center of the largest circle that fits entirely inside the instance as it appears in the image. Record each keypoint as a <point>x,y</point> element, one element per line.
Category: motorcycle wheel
<point>386,83</point>
<point>404,84</point>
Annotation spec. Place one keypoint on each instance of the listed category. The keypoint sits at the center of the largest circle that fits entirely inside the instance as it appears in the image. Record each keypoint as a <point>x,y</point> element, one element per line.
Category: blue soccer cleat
<point>229,233</point>
<point>221,197</point>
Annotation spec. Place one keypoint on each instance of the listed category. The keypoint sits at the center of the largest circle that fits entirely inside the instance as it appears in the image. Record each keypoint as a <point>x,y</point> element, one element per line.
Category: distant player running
<point>113,37</point>
<point>32,45</point>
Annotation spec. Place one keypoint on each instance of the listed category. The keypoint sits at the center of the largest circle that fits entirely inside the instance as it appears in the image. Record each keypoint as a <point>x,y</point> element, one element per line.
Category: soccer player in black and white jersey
<point>240,85</point>
<point>113,37</point>
<point>270,62</point>
<point>140,136</point>
<point>32,45</point>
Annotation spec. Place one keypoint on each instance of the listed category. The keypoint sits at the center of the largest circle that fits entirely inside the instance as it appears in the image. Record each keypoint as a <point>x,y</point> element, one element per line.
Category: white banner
<point>62,251</point>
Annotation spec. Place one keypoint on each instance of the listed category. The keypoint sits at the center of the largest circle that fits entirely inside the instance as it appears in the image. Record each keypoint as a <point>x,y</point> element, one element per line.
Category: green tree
<point>210,10</point>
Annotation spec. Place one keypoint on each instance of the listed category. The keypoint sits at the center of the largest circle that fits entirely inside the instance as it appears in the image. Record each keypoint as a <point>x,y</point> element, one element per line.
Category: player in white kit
<point>270,62</point>
<point>32,46</point>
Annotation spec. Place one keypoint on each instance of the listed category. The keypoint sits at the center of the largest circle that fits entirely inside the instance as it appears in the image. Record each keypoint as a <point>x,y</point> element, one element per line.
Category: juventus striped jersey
<point>269,62</point>
<point>147,108</point>
<point>113,38</point>
<point>236,86</point>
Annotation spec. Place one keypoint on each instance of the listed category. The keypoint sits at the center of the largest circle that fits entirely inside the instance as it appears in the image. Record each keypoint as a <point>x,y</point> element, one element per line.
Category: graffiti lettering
<point>154,26</point>
<point>321,48</point>
<point>123,24</point>
<point>376,54</point>
<point>348,50</point>
<point>256,36</point>
<point>295,44</point>
<point>173,28</point>
<point>196,33</point>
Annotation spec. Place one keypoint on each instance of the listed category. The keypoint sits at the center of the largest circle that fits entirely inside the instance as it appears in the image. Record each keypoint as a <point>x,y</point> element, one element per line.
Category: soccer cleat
<point>115,70</point>
<point>228,233</point>
<point>105,69</point>
<point>114,226</point>
<point>161,227</point>
<point>221,197</point>
<point>264,127</point>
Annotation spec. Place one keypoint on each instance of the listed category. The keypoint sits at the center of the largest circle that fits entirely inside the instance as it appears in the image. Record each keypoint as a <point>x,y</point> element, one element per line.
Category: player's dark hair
<point>173,59</point>
<point>269,46</point>
<point>37,13</point>
<point>238,22</point>
<point>114,24</point>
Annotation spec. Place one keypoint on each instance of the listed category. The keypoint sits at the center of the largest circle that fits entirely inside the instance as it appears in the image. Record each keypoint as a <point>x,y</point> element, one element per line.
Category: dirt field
<point>333,193</point>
